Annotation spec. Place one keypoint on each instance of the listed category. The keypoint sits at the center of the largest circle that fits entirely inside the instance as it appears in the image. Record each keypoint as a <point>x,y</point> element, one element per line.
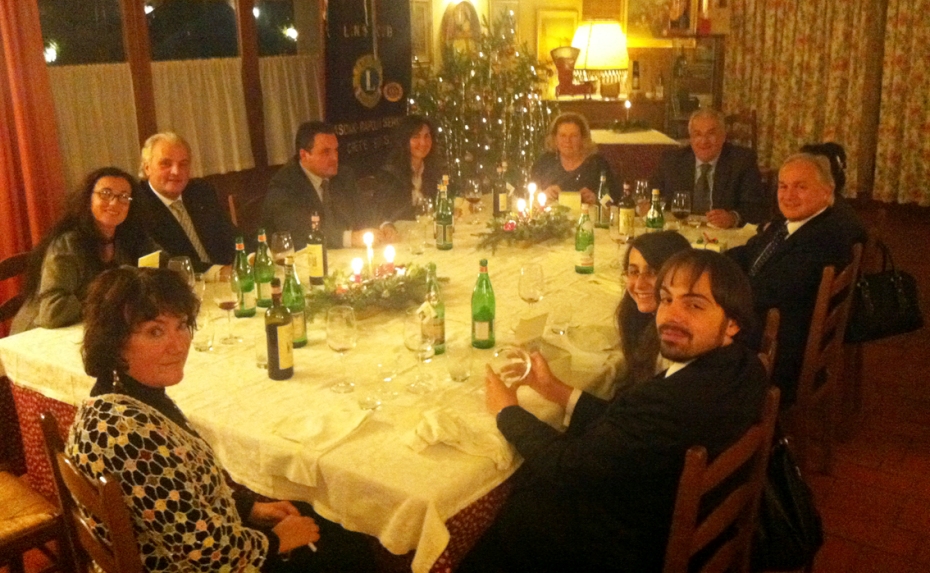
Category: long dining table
<point>400,472</point>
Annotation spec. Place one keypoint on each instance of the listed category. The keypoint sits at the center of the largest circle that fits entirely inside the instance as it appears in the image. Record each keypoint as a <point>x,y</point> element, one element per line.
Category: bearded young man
<point>599,497</point>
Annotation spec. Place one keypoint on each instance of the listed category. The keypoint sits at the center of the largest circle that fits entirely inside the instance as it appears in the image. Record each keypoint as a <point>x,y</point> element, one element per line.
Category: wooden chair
<point>737,512</point>
<point>769,340</point>
<point>819,382</point>
<point>10,267</point>
<point>103,499</point>
<point>28,521</point>
<point>743,129</point>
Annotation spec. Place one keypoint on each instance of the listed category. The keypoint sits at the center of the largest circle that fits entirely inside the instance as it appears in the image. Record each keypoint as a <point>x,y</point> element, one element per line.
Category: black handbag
<point>789,530</point>
<point>884,303</point>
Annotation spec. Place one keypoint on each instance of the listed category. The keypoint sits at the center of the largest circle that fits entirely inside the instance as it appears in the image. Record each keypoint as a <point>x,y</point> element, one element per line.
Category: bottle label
<point>626,221</point>
<point>285,346</point>
<point>482,330</point>
<point>263,290</point>
<point>435,329</point>
<point>299,325</point>
<point>585,257</point>
<point>315,260</point>
<point>502,202</point>
<point>444,234</point>
<point>247,300</point>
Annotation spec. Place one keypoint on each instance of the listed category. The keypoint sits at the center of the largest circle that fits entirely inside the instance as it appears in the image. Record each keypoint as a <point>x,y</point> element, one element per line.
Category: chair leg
<point>852,391</point>
<point>16,565</point>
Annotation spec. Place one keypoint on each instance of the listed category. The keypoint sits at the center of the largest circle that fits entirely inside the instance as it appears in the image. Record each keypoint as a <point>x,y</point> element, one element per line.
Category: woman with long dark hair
<point>412,171</point>
<point>95,233</point>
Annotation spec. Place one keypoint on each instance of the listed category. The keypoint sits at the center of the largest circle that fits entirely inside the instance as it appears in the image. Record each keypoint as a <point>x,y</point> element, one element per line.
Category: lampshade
<point>602,44</point>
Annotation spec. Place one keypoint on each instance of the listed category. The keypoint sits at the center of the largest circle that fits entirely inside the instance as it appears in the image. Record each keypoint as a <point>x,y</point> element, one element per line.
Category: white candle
<point>389,254</point>
<point>369,240</point>
<point>532,189</point>
<point>357,269</point>
<point>521,206</point>
<point>542,200</point>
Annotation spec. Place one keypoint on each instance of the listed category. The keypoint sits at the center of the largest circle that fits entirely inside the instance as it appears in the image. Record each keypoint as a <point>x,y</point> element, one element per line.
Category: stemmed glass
<point>421,345</point>
<point>342,336</point>
<point>531,285</point>
<point>681,207</point>
<point>182,266</point>
<point>282,246</point>
<point>226,297</point>
<point>473,196</point>
<point>616,236</point>
<point>642,197</point>
<point>424,213</point>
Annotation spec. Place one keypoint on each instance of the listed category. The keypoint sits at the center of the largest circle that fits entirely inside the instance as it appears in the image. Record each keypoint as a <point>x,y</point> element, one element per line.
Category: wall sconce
<point>603,54</point>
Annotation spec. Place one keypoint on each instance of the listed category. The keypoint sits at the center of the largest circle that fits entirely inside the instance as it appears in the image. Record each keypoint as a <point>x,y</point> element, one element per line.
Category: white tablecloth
<point>356,467</point>
<point>645,137</point>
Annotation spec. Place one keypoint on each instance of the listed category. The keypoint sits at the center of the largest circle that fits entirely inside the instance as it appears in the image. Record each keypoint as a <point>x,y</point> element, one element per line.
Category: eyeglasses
<point>108,196</point>
<point>636,274</point>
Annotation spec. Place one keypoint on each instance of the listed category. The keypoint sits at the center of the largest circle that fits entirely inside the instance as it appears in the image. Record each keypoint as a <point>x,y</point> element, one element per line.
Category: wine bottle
<point>433,312</point>
<point>655,219</point>
<point>444,221</point>
<point>660,88</point>
<point>584,243</point>
<point>603,204</point>
<point>292,296</point>
<point>279,336</point>
<point>501,205</point>
<point>626,214</point>
<point>483,309</point>
<point>244,281</point>
<point>316,252</point>
<point>263,268</point>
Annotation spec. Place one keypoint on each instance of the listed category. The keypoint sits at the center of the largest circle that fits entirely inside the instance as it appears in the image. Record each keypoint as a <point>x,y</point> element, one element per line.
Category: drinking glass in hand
<point>182,266</point>
<point>417,341</point>
<point>531,284</point>
<point>681,207</point>
<point>511,364</point>
<point>226,297</point>
<point>342,336</point>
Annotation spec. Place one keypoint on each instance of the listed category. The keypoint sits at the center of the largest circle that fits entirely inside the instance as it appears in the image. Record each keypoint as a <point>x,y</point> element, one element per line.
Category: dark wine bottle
<point>279,336</point>
<point>316,252</point>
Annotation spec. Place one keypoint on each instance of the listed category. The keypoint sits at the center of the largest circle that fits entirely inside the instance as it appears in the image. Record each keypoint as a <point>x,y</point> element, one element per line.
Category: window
<point>192,29</point>
<point>81,31</point>
<point>275,26</point>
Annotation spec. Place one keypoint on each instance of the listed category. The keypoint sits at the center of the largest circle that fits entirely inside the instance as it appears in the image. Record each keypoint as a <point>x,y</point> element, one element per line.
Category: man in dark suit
<point>599,497</point>
<point>723,179</point>
<point>314,182</point>
<point>785,263</point>
<point>181,214</point>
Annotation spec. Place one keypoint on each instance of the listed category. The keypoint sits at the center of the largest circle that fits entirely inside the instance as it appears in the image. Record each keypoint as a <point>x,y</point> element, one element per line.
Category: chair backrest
<point>233,214</point>
<point>736,513</point>
<point>769,344</point>
<point>101,498</point>
<point>743,129</point>
<point>823,355</point>
<point>10,267</point>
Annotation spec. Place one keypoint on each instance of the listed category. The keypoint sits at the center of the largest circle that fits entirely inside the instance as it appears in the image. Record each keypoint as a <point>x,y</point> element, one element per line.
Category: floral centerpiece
<point>536,226</point>
<point>391,288</point>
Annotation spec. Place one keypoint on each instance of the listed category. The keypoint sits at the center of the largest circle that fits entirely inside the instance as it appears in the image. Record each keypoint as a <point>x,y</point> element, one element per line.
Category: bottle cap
<point>483,262</point>
<point>275,282</point>
<point>289,260</point>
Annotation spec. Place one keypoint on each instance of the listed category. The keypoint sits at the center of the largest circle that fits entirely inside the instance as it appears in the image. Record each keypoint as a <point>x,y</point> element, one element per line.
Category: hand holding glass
<point>511,364</point>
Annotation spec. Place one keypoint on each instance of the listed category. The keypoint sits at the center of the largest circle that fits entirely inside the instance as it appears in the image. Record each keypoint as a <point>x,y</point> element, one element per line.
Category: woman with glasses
<point>636,313</point>
<point>94,234</point>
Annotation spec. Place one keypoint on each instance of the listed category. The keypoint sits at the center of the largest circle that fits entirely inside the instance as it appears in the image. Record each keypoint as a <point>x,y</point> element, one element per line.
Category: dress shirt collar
<point>315,180</point>
<point>166,200</point>
<point>676,366</point>
<point>712,163</point>
<point>793,226</point>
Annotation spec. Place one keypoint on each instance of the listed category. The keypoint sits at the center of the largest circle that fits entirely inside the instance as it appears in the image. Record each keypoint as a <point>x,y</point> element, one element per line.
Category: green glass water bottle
<point>263,268</point>
<point>483,309</point>
<point>243,281</point>
<point>584,243</point>
<point>292,296</point>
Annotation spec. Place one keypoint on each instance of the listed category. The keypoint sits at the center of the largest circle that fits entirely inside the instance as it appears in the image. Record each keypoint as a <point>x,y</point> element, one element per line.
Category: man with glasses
<point>723,179</point>
<point>181,214</point>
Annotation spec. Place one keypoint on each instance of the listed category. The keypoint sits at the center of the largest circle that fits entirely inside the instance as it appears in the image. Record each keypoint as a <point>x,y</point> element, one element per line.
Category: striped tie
<point>180,213</point>
<point>702,201</point>
<point>777,239</point>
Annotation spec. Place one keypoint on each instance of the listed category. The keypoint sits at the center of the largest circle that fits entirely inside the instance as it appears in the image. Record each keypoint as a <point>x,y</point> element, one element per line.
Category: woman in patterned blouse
<point>186,517</point>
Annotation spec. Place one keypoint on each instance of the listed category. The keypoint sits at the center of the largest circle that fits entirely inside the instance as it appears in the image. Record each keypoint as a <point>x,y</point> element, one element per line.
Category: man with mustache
<point>599,497</point>
<point>181,214</point>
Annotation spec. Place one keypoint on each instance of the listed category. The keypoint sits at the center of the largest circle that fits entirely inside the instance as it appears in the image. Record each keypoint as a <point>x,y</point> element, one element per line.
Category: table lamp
<point>603,54</point>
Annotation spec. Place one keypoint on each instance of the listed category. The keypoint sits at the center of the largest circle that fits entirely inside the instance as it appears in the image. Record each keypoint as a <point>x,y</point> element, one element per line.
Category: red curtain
<point>31,179</point>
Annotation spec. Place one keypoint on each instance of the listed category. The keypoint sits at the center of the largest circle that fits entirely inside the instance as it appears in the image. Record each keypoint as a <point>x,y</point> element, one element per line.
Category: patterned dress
<point>182,509</point>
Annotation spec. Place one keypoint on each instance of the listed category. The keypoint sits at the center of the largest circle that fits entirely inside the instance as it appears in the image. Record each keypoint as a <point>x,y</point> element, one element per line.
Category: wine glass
<point>417,341</point>
<point>342,336</point>
<point>681,207</point>
<point>200,286</point>
<point>618,237</point>
<point>182,266</point>
<point>531,285</point>
<point>473,196</point>
<point>642,197</point>
<point>282,246</point>
<point>226,297</point>
<point>423,209</point>
<point>511,364</point>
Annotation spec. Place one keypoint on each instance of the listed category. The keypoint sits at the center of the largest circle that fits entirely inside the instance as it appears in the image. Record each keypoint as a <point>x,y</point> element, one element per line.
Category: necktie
<point>701,202</point>
<point>777,239</point>
<point>180,213</point>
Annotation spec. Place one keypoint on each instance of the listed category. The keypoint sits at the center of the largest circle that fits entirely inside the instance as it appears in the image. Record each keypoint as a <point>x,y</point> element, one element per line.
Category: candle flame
<point>531,188</point>
<point>389,254</point>
<point>368,238</point>
<point>521,205</point>
<point>542,199</point>
<point>357,265</point>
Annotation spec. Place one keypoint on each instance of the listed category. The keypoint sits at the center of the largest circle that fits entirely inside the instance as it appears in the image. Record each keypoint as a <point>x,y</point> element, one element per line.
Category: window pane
<point>192,29</point>
<point>276,29</point>
<point>81,31</point>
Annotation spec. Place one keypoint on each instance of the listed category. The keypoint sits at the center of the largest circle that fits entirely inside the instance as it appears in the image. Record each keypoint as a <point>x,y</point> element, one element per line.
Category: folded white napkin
<point>474,434</point>
<point>321,430</point>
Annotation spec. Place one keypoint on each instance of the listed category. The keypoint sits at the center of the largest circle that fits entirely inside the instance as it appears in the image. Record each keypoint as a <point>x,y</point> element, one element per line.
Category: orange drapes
<point>31,180</point>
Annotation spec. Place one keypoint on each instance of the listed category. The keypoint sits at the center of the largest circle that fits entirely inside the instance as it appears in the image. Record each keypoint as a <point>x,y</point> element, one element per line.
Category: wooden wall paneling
<point>139,55</point>
<point>251,81</point>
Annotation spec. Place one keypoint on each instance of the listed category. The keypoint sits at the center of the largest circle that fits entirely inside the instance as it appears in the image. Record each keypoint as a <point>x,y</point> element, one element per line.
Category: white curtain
<point>291,96</point>
<point>96,115</point>
<point>203,101</point>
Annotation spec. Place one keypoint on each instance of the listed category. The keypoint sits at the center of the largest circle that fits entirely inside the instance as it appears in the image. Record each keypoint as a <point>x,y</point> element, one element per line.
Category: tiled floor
<point>876,501</point>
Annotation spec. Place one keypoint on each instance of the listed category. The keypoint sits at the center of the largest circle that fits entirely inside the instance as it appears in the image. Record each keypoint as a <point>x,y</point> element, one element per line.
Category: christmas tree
<point>486,102</point>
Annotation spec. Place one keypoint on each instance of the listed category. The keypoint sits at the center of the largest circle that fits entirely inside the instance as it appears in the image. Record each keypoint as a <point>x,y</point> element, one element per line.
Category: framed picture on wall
<point>554,28</point>
<point>421,30</point>
<point>651,23</point>
<point>499,8</point>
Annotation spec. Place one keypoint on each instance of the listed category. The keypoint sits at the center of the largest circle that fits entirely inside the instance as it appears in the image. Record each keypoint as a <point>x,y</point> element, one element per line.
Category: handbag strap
<point>887,258</point>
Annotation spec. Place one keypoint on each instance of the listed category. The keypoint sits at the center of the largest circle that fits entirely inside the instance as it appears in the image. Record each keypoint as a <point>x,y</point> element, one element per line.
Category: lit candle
<point>542,200</point>
<point>627,104</point>
<point>369,240</point>
<point>357,269</point>
<point>389,254</point>
<point>521,205</point>
<point>532,189</point>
